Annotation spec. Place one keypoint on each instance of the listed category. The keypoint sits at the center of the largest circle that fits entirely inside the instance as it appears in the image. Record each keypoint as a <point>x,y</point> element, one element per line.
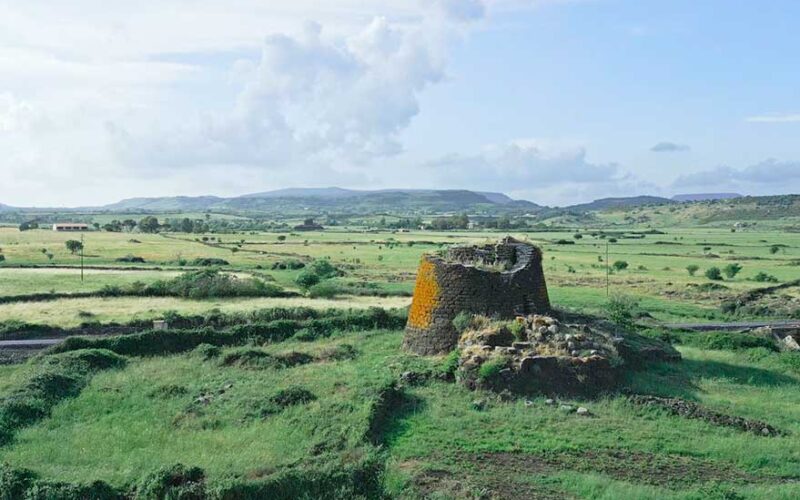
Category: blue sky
<point>554,101</point>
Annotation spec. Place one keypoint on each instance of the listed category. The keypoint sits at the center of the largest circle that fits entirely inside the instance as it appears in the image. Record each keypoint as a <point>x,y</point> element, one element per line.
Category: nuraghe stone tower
<point>502,280</point>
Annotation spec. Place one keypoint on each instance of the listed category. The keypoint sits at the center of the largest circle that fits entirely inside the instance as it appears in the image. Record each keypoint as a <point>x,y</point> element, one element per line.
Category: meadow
<point>316,410</point>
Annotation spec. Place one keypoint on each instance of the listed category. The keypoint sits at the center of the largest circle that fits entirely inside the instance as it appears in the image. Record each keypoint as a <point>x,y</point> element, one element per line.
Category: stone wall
<point>503,280</point>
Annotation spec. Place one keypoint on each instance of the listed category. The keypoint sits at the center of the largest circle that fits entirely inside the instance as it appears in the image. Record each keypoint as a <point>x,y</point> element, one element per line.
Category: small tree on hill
<point>731,270</point>
<point>74,246</point>
<point>692,269</point>
<point>620,265</point>
<point>774,249</point>
<point>713,273</point>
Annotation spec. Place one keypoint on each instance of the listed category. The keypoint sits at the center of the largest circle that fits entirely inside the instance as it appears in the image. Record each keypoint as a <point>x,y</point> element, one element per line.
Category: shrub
<point>293,264</point>
<point>209,261</point>
<point>325,290</point>
<point>713,273</point>
<point>622,311</point>
<point>174,482</point>
<point>763,277</point>
<point>307,279</point>
<point>492,368</point>
<point>462,321</point>
<point>517,329</point>
<point>207,284</point>
<point>283,399</point>
<point>692,269</point>
<point>2,258</point>
<point>207,351</point>
<point>450,362</point>
<point>620,265</point>
<point>731,270</point>
<point>131,259</point>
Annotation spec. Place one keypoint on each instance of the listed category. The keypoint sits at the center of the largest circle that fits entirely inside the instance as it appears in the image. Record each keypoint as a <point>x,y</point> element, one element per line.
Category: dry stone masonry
<point>502,280</point>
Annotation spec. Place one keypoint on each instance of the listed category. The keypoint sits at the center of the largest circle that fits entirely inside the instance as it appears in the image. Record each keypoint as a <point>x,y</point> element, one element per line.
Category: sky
<point>554,101</point>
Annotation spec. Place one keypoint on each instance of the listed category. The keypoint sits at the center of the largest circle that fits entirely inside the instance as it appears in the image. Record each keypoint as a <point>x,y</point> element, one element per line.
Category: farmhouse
<point>70,226</point>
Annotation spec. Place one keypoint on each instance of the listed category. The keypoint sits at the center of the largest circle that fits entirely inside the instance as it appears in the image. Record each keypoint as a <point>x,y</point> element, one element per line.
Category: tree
<point>28,225</point>
<point>2,257</point>
<point>692,268</point>
<point>187,226</point>
<point>307,279</point>
<point>149,224</point>
<point>731,270</point>
<point>74,246</point>
<point>620,265</point>
<point>713,273</point>
<point>282,238</point>
<point>774,249</point>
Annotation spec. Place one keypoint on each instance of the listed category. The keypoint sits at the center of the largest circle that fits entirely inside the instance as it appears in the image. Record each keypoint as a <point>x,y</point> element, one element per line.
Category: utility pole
<point>81,257</point>
<point>607,271</point>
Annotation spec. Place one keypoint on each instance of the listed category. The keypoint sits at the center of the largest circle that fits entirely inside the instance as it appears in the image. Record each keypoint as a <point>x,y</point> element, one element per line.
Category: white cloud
<point>536,170</point>
<point>781,175</point>
<point>316,97</point>
<point>775,118</point>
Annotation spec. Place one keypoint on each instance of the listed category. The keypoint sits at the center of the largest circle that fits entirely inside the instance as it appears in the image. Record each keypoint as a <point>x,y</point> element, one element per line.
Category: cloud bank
<point>669,147</point>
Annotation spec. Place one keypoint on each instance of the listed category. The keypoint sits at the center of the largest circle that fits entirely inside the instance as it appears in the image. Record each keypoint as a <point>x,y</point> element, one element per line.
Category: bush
<point>517,329</point>
<point>209,261</point>
<point>731,270</point>
<point>763,277</point>
<point>207,351</point>
<point>307,279</point>
<point>293,264</point>
<point>2,258</point>
<point>175,482</point>
<point>281,400</point>
<point>620,265</point>
<point>462,321</point>
<point>622,311</point>
<point>692,269</point>
<point>713,273</point>
<point>131,259</point>
<point>206,284</point>
<point>492,368</point>
<point>325,290</point>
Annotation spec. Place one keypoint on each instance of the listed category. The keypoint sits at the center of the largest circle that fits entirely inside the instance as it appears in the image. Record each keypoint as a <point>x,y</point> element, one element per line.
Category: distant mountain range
<point>333,199</point>
<point>607,203</point>
<point>705,196</point>
<point>301,202</point>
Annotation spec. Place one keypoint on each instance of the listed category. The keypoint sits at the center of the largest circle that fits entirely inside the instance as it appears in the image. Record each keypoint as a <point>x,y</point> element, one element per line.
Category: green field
<point>217,412</point>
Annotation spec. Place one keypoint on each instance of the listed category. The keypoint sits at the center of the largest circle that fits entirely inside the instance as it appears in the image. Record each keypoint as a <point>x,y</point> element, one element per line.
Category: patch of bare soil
<point>689,409</point>
<point>510,475</point>
<point>486,485</point>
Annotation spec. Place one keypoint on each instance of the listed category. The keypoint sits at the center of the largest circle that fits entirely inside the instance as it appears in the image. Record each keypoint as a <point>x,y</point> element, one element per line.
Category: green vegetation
<point>276,379</point>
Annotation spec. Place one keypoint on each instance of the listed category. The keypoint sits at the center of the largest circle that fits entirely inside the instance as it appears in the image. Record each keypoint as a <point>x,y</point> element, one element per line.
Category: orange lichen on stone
<point>426,296</point>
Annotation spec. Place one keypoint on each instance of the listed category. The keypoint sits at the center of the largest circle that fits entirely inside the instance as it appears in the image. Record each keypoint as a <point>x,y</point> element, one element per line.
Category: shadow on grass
<point>681,379</point>
<point>396,423</point>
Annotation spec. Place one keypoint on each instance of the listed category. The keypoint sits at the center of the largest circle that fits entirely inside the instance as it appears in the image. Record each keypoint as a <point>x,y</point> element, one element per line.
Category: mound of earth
<point>540,355</point>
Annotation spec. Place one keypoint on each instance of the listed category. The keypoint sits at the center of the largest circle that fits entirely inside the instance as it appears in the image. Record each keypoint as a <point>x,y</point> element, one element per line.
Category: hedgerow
<point>162,342</point>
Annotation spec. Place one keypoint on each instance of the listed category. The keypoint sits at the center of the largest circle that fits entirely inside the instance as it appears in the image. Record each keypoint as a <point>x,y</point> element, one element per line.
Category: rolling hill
<point>337,200</point>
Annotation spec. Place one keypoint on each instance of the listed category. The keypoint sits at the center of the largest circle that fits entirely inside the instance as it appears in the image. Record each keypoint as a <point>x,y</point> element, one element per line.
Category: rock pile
<point>538,354</point>
<point>689,409</point>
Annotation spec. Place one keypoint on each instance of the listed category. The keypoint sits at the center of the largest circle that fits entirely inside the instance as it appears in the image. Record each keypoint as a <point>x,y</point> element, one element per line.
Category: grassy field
<point>656,263</point>
<point>218,411</point>
<point>148,414</point>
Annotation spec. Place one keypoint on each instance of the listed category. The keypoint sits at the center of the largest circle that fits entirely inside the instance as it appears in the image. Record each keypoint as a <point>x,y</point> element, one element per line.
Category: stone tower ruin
<point>502,280</point>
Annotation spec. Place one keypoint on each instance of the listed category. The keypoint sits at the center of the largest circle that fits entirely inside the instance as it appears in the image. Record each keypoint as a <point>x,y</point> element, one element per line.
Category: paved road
<point>29,344</point>
<point>736,325</point>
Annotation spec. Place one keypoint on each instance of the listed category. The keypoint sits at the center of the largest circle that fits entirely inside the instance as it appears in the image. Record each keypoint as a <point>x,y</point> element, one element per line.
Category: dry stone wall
<point>502,280</point>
